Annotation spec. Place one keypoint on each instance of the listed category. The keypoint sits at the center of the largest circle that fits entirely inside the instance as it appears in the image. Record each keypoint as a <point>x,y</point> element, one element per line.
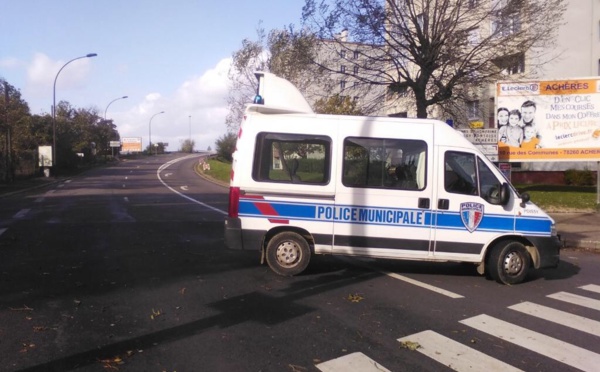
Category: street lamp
<point>112,149</point>
<point>190,129</point>
<point>116,99</point>
<point>150,132</point>
<point>54,160</point>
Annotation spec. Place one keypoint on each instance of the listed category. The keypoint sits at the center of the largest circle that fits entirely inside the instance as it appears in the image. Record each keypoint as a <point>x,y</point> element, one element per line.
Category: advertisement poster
<point>554,120</point>
<point>131,144</point>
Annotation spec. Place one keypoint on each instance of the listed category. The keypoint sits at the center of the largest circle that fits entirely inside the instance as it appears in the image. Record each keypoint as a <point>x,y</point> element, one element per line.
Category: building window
<point>343,84</point>
<point>356,54</point>
<point>342,69</point>
<point>473,4</point>
<point>473,109</point>
<point>512,65</point>
<point>355,98</point>
<point>342,54</point>
<point>473,37</point>
<point>421,20</point>
<point>355,84</point>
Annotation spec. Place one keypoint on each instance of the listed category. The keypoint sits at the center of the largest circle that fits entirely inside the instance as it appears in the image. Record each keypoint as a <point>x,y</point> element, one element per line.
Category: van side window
<point>460,175</point>
<point>384,163</point>
<point>489,185</point>
<point>292,158</point>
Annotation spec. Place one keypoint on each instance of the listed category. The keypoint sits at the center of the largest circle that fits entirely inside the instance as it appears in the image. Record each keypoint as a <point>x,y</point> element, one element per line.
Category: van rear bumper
<point>236,238</point>
<point>549,249</point>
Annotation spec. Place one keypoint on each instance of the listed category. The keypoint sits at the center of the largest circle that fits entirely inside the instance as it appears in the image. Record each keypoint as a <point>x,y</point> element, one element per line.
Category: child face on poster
<point>528,132</point>
<point>514,119</point>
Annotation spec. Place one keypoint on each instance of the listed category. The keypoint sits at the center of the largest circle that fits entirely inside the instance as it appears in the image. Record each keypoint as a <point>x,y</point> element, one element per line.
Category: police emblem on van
<point>471,215</point>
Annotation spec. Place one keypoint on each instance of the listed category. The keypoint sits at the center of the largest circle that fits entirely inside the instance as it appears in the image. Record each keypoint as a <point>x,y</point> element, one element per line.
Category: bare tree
<point>434,53</point>
<point>287,53</point>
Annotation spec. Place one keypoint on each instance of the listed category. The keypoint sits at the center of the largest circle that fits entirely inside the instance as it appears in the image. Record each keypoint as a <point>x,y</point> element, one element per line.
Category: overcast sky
<point>170,56</point>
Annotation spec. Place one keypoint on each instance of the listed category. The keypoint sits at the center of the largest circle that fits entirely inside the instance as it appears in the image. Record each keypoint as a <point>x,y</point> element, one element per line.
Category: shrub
<point>579,177</point>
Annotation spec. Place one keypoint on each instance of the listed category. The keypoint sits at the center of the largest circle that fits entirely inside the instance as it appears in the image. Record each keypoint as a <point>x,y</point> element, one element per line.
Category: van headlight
<point>553,231</point>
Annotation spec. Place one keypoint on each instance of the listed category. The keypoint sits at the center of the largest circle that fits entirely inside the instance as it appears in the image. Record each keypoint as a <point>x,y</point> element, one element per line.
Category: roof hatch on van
<point>277,95</point>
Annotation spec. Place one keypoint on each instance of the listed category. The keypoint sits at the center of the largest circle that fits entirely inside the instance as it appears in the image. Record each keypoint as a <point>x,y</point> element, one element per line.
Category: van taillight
<point>234,202</point>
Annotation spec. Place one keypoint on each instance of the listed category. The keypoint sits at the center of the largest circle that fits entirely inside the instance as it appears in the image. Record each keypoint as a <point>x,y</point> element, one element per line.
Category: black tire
<point>509,263</point>
<point>288,253</point>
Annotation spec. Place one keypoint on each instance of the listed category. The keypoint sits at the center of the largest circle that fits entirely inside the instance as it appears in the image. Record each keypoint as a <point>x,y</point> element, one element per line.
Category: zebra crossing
<point>460,357</point>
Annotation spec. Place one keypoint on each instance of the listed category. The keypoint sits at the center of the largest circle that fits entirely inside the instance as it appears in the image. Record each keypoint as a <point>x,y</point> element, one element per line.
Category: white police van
<point>414,189</point>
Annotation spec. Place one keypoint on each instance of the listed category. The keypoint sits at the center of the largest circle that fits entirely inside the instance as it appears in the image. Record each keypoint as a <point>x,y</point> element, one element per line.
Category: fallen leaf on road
<point>355,298</point>
<point>156,314</point>
<point>410,345</point>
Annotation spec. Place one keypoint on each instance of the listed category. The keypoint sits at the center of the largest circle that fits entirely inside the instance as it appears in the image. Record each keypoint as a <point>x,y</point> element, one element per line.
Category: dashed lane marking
<point>22,213</point>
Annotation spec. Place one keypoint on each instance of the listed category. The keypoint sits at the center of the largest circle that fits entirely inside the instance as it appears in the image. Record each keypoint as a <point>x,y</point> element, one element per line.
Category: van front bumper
<point>549,250</point>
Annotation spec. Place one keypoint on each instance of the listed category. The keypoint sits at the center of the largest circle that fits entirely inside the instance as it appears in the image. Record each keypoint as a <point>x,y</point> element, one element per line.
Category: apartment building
<point>345,74</point>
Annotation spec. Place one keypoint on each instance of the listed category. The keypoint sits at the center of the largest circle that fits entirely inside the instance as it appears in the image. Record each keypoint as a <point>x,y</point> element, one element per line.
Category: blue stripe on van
<point>361,215</point>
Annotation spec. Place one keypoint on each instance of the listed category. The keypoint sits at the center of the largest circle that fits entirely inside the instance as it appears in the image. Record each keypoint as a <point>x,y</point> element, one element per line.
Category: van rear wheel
<point>288,253</point>
<point>509,263</point>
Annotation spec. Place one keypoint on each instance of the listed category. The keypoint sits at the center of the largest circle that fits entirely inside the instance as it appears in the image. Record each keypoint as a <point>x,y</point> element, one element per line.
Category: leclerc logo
<point>517,89</point>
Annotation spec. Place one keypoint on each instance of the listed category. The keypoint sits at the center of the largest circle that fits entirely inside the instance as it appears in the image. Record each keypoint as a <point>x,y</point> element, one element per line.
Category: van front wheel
<point>509,263</point>
<point>288,253</point>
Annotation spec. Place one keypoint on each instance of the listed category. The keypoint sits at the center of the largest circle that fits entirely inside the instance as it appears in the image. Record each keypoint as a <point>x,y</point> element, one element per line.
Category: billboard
<point>551,120</point>
<point>131,144</point>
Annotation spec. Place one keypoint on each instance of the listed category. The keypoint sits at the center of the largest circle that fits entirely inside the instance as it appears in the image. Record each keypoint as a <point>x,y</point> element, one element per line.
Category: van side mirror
<point>499,195</point>
<point>524,199</point>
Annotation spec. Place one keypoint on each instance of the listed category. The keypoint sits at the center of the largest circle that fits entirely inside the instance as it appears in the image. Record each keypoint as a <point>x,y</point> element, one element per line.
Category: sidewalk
<point>578,230</point>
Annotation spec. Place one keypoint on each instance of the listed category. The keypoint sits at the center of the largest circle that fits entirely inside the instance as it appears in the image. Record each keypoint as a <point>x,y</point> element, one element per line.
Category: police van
<point>304,184</point>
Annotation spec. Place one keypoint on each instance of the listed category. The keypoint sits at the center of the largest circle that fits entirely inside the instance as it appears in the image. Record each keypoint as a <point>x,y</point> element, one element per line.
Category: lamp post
<point>150,132</point>
<point>54,160</point>
<point>190,139</point>
<point>112,150</point>
<point>116,99</point>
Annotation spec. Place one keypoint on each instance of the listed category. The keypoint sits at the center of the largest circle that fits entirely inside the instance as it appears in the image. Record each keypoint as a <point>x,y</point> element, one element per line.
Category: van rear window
<point>384,163</point>
<point>292,158</point>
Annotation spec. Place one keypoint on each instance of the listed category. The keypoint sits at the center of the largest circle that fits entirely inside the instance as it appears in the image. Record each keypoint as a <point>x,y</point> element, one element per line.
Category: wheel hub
<point>513,263</point>
<point>288,253</point>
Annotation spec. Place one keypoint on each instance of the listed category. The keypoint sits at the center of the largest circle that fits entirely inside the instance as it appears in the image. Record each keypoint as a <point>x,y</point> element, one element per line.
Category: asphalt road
<point>125,268</point>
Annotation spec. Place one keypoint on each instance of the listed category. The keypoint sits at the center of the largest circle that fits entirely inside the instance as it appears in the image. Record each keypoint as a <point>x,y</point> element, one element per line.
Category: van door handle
<point>443,204</point>
<point>424,203</point>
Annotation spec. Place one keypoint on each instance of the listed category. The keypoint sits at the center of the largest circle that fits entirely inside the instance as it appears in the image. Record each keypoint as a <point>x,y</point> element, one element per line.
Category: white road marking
<point>165,166</point>
<point>67,181</point>
<point>184,188</point>
<point>424,285</point>
<point>591,288</point>
<point>61,185</point>
<point>560,317</point>
<point>39,200</point>
<point>126,199</point>
<point>561,351</point>
<point>22,213</point>
<point>576,299</point>
<point>358,362</point>
<point>51,192</point>
<point>168,174</point>
<point>2,230</point>
<point>454,354</point>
